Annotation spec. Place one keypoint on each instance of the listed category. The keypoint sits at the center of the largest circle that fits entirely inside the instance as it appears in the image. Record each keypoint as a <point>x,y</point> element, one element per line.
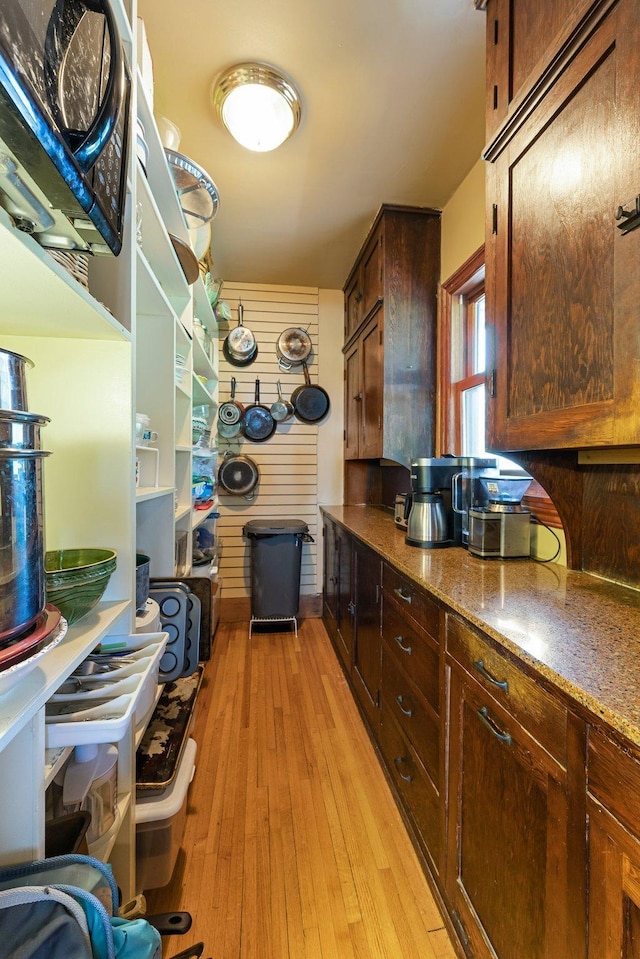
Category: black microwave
<point>65,91</point>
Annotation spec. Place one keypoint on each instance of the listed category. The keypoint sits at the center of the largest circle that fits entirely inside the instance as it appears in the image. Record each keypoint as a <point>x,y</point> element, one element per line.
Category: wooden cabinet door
<point>562,279</point>
<point>352,404</point>
<point>613,809</point>
<point>367,640</point>
<point>353,297</point>
<point>371,359</point>
<point>331,571</point>
<point>345,599</point>
<point>614,888</point>
<point>372,272</point>
<point>507,833</point>
<point>519,35</point>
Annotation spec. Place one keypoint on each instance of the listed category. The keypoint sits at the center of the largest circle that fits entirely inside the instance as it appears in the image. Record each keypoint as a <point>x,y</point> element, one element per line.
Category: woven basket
<point>77,264</point>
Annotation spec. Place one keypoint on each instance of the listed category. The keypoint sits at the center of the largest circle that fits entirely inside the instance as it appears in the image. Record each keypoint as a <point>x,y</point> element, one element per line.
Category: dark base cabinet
<point>614,850</point>
<point>526,820</point>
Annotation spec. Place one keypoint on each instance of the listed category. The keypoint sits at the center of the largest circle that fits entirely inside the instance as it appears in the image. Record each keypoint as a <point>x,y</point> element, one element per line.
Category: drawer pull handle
<point>399,760</point>
<point>400,701</point>
<point>404,596</point>
<point>400,640</point>
<point>502,683</point>
<point>483,715</point>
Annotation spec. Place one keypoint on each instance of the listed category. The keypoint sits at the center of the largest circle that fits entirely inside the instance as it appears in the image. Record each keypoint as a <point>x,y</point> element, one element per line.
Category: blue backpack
<point>64,908</point>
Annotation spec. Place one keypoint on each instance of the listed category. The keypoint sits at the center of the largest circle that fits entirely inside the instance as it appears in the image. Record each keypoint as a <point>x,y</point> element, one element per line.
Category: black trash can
<point>276,554</point>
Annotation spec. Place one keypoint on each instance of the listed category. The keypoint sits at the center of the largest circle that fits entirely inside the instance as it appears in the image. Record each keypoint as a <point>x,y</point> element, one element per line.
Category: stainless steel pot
<point>13,381</point>
<point>22,576</point>
<point>293,347</point>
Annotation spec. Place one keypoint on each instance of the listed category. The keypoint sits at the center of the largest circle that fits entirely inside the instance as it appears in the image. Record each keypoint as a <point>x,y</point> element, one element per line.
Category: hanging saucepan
<point>310,402</point>
<point>232,411</point>
<point>293,347</point>
<point>238,474</point>
<point>282,409</point>
<point>240,346</point>
<point>259,425</point>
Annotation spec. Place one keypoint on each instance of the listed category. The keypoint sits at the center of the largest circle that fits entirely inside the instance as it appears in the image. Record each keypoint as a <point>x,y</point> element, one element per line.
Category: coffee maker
<point>468,492</point>
<point>430,520</point>
<point>502,528</point>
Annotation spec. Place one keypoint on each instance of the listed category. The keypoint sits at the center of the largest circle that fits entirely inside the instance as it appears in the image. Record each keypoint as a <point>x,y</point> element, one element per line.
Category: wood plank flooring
<point>293,846</point>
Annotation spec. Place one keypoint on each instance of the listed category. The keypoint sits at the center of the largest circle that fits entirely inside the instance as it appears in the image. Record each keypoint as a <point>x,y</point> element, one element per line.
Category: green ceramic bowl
<point>77,579</point>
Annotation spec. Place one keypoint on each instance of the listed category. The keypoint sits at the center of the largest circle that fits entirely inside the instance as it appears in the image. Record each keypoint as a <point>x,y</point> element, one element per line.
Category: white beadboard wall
<point>288,461</point>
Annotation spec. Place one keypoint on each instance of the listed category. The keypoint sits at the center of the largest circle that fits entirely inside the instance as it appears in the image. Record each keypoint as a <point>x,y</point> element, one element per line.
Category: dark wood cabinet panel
<point>404,700</point>
<point>371,404</point>
<point>373,272</point>
<point>507,833</point>
<point>338,605</point>
<point>538,711</point>
<point>614,850</point>
<point>363,393</point>
<point>414,652</point>
<point>420,798</point>
<point>391,293</point>
<point>367,649</point>
<point>352,403</point>
<point>559,271</point>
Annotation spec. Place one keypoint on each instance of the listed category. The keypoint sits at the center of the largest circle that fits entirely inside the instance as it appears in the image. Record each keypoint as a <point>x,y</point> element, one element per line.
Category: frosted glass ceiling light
<point>259,105</point>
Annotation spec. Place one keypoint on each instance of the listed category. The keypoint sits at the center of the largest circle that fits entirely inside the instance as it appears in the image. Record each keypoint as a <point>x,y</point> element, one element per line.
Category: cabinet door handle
<point>399,760</point>
<point>501,683</point>
<point>400,702</point>
<point>483,716</point>
<point>403,596</point>
<point>351,607</point>
<point>400,640</point>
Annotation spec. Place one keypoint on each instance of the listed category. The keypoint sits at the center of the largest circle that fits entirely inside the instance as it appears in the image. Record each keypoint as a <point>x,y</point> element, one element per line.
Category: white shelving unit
<point>100,355</point>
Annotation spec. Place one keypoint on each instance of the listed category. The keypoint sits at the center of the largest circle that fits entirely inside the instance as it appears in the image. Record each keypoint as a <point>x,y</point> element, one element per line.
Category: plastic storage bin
<point>276,557</point>
<point>160,825</point>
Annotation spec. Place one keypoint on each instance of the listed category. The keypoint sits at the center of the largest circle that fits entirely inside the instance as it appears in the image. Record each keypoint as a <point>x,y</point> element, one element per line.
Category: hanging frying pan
<point>293,347</point>
<point>240,343</point>
<point>238,474</point>
<point>259,425</point>
<point>310,402</point>
<point>231,412</point>
<point>282,409</point>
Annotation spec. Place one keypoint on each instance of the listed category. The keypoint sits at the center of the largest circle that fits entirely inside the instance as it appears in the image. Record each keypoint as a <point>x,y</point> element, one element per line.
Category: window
<point>462,373</point>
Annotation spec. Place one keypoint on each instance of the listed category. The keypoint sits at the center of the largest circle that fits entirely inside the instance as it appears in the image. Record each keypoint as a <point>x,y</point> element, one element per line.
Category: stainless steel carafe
<point>427,524</point>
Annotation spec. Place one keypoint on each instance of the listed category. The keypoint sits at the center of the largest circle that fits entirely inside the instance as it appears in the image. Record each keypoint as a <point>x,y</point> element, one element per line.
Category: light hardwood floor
<point>293,846</point>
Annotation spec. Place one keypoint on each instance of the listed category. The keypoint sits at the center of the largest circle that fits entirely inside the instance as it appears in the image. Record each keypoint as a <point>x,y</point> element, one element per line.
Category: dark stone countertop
<point>580,632</point>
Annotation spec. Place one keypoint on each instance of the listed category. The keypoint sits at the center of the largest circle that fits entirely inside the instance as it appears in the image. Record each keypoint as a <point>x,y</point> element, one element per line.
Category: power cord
<point>556,537</point>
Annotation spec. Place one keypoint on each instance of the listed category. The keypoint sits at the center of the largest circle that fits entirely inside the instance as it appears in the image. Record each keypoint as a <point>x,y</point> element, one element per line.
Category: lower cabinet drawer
<point>410,710</point>
<point>412,600</point>
<point>544,717</point>
<point>418,794</point>
<point>414,651</point>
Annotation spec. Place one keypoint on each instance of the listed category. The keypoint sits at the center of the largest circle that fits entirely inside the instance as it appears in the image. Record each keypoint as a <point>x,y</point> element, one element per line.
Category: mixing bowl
<point>77,578</point>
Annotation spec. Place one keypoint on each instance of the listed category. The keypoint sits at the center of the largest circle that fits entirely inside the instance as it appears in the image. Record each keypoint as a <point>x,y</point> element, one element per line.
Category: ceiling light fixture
<point>258,104</point>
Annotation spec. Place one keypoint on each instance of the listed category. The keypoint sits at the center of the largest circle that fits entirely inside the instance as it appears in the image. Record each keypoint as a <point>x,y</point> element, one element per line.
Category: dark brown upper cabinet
<point>563,294</point>
<point>390,338</point>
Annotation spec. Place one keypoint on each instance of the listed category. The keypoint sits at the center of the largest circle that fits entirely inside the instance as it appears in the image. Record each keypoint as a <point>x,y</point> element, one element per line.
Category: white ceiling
<point>393,112</point>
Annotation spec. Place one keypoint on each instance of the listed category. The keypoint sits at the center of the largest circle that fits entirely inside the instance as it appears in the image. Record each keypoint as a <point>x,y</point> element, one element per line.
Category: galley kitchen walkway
<point>293,847</point>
